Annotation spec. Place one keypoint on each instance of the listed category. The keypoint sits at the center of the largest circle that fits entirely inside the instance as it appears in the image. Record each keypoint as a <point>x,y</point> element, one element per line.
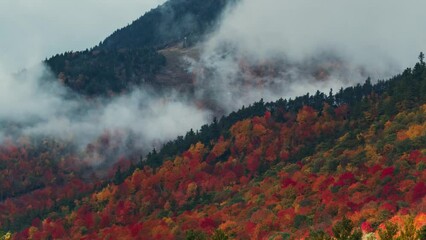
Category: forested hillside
<point>130,57</point>
<point>170,23</point>
<point>102,72</point>
<point>325,166</point>
<point>345,164</point>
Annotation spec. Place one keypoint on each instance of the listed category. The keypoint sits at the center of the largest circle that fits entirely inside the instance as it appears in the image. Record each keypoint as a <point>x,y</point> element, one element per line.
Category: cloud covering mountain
<point>262,49</point>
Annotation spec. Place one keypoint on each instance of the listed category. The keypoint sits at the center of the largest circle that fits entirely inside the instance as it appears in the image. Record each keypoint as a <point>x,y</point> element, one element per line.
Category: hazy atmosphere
<point>322,45</point>
<point>332,44</point>
<point>213,119</point>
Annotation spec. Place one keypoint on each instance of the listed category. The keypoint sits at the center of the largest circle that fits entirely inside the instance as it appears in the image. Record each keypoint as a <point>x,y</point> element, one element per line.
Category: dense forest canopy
<point>102,72</point>
<point>349,163</point>
<point>346,164</point>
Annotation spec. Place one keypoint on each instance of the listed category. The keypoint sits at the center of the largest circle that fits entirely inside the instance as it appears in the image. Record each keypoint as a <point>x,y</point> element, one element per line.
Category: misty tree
<point>118,177</point>
<point>421,58</point>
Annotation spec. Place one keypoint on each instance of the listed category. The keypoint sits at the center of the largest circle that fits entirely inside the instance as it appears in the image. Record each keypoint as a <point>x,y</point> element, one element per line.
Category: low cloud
<point>284,48</point>
<point>33,104</point>
<point>262,49</point>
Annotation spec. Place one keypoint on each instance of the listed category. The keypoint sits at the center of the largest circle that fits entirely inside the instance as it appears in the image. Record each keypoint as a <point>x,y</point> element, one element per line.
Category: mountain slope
<point>273,171</point>
<point>130,57</point>
<point>170,23</point>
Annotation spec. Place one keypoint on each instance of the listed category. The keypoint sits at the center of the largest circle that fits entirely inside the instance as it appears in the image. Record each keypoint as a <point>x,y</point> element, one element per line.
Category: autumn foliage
<point>258,182</point>
<point>347,166</point>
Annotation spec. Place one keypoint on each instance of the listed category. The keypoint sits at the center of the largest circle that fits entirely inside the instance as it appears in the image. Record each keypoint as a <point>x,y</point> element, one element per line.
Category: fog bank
<point>285,48</point>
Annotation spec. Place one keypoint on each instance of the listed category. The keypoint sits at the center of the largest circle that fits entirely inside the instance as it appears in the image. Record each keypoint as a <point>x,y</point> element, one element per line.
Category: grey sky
<point>368,31</point>
<point>31,30</point>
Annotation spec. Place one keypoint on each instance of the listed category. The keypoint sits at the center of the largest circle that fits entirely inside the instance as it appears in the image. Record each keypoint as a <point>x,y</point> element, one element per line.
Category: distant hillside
<point>130,57</point>
<point>170,23</point>
<point>102,72</point>
<point>336,166</point>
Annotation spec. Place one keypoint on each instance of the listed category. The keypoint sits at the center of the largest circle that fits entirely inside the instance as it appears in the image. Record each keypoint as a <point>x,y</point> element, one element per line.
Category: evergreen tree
<point>344,230</point>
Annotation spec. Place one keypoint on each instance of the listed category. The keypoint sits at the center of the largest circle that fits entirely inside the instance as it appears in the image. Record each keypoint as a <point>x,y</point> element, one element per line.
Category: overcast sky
<point>31,30</point>
<point>366,31</point>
